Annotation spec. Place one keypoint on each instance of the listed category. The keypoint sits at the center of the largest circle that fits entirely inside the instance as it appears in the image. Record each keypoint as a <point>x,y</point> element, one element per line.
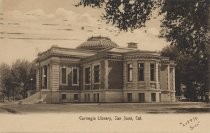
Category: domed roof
<point>97,43</point>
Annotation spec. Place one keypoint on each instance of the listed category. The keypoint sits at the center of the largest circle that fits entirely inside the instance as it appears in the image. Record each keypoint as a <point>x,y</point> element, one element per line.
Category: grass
<point>154,108</point>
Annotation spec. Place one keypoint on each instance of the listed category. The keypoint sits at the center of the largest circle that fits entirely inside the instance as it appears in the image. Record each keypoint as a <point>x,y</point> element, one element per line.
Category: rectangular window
<point>87,75</point>
<point>97,97</point>
<point>159,68</point>
<point>41,73</point>
<point>63,73</point>
<point>129,97</point>
<point>76,97</point>
<point>160,97</point>
<point>96,74</point>
<point>130,72</point>
<point>88,97</point>
<point>153,96</point>
<point>63,96</point>
<point>45,77</point>
<point>75,76</point>
<point>94,97</point>
<point>152,72</point>
<point>141,71</point>
<point>85,97</point>
<point>141,97</point>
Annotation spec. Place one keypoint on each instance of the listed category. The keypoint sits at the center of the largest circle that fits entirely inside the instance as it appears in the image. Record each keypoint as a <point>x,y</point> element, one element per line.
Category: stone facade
<point>110,74</point>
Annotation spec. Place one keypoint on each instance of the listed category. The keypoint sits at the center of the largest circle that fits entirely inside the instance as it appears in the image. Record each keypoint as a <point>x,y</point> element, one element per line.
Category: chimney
<point>132,45</point>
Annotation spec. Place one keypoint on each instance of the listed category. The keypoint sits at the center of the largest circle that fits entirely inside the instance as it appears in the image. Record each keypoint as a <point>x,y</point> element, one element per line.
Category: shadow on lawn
<point>191,110</point>
<point>9,110</point>
<point>98,108</point>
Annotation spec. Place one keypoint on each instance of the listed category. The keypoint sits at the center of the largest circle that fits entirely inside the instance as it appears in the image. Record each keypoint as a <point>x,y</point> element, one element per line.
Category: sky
<point>28,27</point>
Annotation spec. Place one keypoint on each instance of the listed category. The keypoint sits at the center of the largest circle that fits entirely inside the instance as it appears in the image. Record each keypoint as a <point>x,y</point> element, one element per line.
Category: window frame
<point>139,71</point>
<point>152,77</point>
<point>129,71</point>
<point>86,76</point>
<point>88,97</point>
<point>61,76</point>
<point>96,82</point>
<point>73,84</point>
<point>63,94</point>
<point>85,97</point>
<point>155,97</point>
<point>141,97</point>
<point>129,97</point>
<point>159,70</point>
<point>76,94</point>
<point>45,77</point>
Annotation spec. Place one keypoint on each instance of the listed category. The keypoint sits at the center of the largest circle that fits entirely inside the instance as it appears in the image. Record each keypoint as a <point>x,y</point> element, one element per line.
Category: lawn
<point>188,107</point>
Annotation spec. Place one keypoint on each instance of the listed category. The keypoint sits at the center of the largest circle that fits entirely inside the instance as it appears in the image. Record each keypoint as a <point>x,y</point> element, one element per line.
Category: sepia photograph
<point>104,66</point>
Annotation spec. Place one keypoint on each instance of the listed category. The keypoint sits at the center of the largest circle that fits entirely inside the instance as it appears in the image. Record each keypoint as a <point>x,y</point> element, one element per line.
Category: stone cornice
<point>89,56</point>
<point>147,56</point>
<point>168,91</point>
<point>64,53</point>
<point>119,56</point>
<point>47,56</point>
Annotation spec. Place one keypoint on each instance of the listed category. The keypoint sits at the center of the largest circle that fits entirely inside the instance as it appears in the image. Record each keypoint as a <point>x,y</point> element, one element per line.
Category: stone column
<point>135,74</point>
<point>168,77</point>
<point>106,71</point>
<point>157,80</point>
<point>55,77</point>
<point>124,75</point>
<point>38,78</point>
<point>83,77</point>
<point>55,80</point>
<point>147,97</point>
<point>48,77</point>
<point>43,86</point>
<point>147,75</point>
<point>124,95</point>
<point>173,78</point>
<point>157,97</point>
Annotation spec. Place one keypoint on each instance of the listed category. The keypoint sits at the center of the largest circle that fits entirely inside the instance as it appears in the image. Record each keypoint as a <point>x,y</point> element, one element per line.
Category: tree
<point>189,71</point>
<point>124,14</point>
<point>18,78</point>
<point>22,72</point>
<point>185,27</point>
<point>6,79</point>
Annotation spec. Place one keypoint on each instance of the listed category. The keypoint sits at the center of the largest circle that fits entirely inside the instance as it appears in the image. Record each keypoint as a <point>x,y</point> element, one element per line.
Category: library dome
<point>97,43</point>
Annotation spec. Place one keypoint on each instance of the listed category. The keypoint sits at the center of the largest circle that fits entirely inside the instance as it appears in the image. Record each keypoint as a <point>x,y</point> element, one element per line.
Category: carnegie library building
<point>99,70</point>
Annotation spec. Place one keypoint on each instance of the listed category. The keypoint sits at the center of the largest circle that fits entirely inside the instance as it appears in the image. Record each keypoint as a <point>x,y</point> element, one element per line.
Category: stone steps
<point>35,98</point>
